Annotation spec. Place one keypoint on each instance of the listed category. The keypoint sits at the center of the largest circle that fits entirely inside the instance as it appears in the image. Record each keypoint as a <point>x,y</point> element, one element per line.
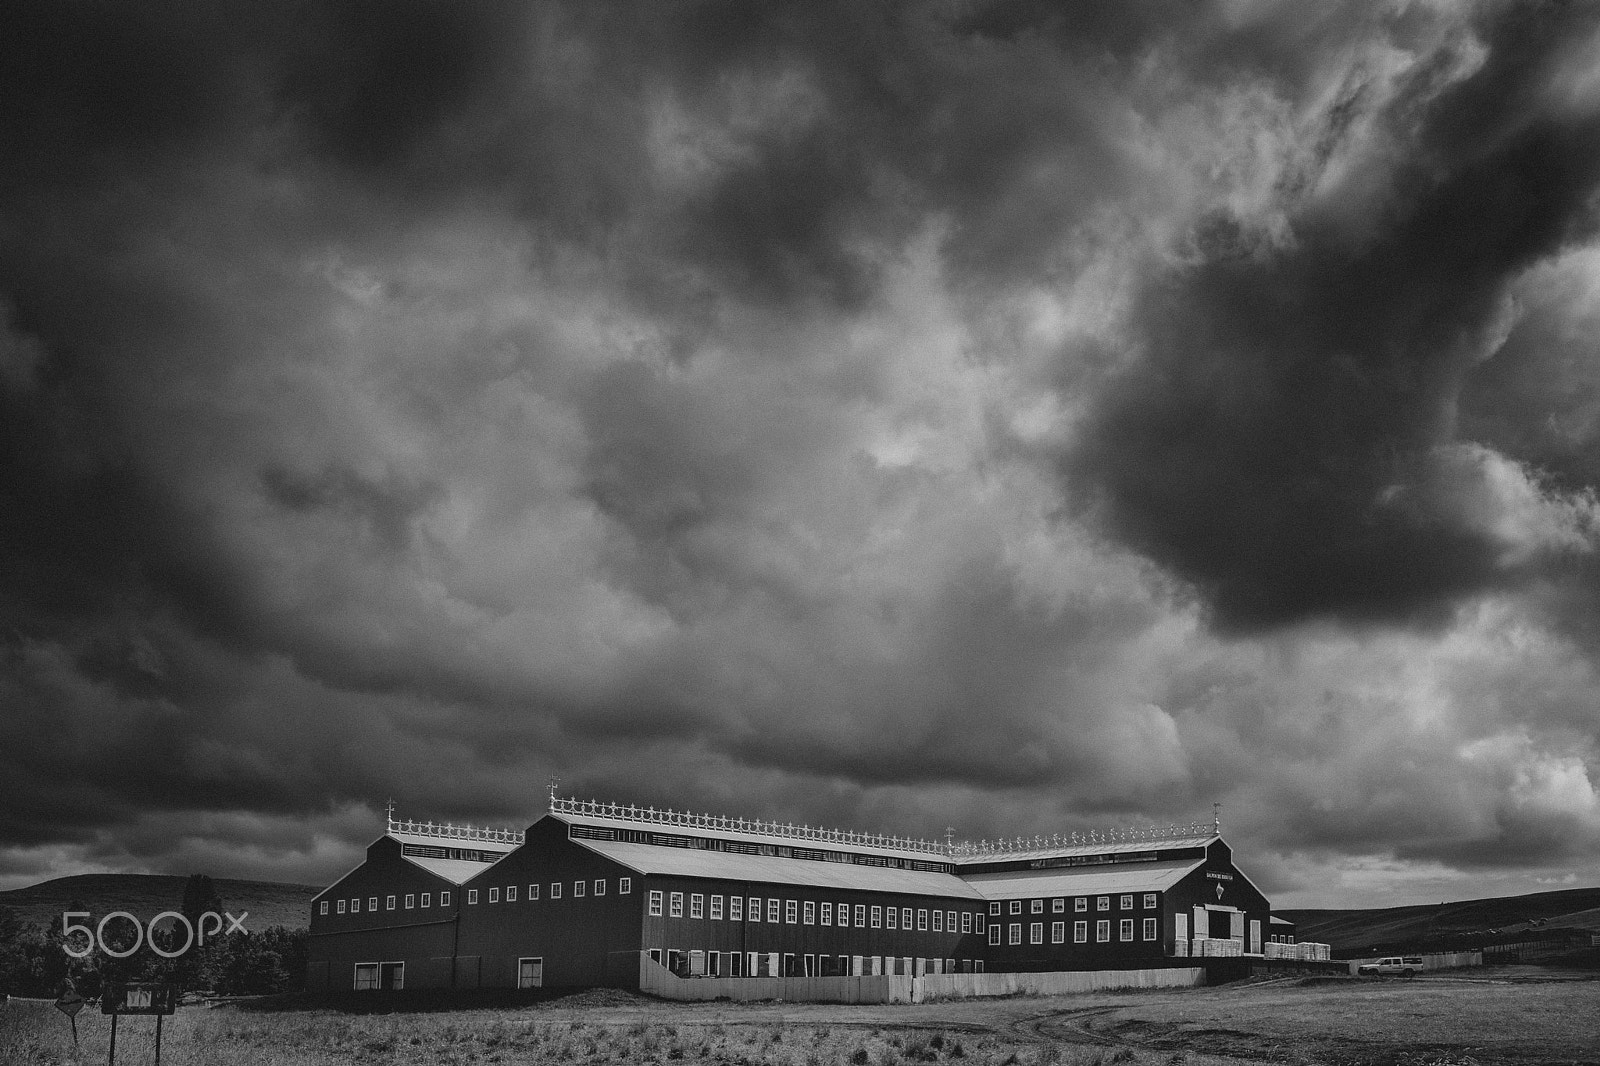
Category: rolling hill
<point>1445,925</point>
<point>269,903</point>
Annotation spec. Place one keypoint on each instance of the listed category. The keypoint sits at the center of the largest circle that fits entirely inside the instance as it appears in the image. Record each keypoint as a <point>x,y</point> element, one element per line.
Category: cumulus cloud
<point>1000,415</point>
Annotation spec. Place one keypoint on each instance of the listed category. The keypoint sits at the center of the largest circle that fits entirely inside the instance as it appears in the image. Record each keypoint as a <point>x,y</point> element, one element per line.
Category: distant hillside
<point>146,895</point>
<point>1355,932</point>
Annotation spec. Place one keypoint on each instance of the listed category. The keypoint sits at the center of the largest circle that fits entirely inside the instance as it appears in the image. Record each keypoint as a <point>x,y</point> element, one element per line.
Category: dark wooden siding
<point>584,940</point>
<point>1069,955</point>
<point>797,937</point>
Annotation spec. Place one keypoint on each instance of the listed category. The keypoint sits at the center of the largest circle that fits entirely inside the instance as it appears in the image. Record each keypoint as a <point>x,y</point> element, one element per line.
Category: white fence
<point>656,980</point>
<point>977,985</point>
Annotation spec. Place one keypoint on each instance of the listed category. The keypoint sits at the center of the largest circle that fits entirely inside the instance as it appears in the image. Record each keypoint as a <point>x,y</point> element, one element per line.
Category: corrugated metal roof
<point>693,862</point>
<point>1280,921</point>
<point>1083,880</point>
<point>1119,848</point>
<point>718,833</point>
<point>456,871</point>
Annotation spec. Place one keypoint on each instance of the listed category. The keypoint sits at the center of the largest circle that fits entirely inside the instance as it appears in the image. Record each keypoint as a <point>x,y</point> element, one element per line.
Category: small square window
<point>427,899</point>
<point>1149,901</point>
<point>1016,906</point>
<point>624,886</point>
<point>1127,903</point>
<point>411,901</point>
<point>994,908</point>
<point>511,893</point>
<point>533,893</point>
<point>1080,904</point>
<point>555,889</point>
<point>1036,907</point>
<point>1058,906</point>
<point>472,895</point>
<point>494,895</point>
<point>1103,903</point>
<point>599,886</point>
<point>322,908</point>
<point>579,887</point>
<point>444,898</point>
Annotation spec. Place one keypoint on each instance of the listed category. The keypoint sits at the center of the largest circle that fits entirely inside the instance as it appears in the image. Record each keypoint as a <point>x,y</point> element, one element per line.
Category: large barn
<point>584,891</point>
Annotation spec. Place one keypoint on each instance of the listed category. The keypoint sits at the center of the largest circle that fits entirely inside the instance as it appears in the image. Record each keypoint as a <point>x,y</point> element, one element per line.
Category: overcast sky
<point>1020,417</point>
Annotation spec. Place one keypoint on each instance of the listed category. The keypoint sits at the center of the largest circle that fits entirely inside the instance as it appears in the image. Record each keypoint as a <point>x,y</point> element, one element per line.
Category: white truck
<point>1392,966</point>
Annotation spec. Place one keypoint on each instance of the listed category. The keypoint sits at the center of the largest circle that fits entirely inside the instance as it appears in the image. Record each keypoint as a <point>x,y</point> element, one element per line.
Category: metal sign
<point>69,1003</point>
<point>139,999</point>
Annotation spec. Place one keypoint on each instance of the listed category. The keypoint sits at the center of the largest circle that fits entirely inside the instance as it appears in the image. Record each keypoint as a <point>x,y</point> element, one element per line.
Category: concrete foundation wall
<point>975,985</point>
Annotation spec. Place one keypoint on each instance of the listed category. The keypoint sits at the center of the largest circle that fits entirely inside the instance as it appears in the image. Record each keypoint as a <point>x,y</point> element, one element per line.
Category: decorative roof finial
<point>389,813</point>
<point>1216,818</point>
<point>949,840</point>
<point>553,784</point>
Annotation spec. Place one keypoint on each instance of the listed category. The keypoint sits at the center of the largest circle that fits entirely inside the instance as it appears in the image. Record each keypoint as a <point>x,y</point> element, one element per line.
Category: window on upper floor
<point>1036,907</point>
<point>444,899</point>
<point>994,908</point>
<point>555,889</point>
<point>533,893</point>
<point>411,900</point>
<point>1080,904</point>
<point>655,903</point>
<point>599,886</point>
<point>511,893</point>
<point>472,895</point>
<point>579,887</point>
<point>675,905</point>
<point>1127,903</point>
<point>716,908</point>
<point>1149,901</point>
<point>624,886</point>
<point>427,899</point>
<point>697,904</point>
<point>494,895</point>
<point>1102,903</point>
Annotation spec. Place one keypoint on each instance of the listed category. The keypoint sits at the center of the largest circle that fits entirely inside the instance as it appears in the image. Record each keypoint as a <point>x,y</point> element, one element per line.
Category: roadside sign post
<point>70,1003</point>
<point>117,1000</point>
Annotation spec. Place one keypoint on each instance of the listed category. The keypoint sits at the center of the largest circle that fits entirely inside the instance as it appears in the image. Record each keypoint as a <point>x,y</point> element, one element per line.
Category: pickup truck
<point>1401,965</point>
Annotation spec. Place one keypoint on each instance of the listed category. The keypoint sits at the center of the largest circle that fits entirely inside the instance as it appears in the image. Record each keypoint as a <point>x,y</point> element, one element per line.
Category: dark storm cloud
<point>1279,442</point>
<point>425,399</point>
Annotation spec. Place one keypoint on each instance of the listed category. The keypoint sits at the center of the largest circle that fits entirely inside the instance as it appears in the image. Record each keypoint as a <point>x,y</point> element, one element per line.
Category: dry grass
<point>1421,1023</point>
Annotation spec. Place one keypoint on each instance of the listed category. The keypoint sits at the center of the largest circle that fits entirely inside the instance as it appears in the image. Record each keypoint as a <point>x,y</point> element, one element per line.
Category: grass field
<point>1519,1016</point>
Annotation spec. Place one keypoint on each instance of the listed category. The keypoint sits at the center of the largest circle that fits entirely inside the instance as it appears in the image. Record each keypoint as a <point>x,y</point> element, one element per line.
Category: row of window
<point>810,912</point>
<point>579,890</point>
<point>697,963</point>
<point>1080,932</point>
<point>1080,904</point>
<point>353,906</point>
